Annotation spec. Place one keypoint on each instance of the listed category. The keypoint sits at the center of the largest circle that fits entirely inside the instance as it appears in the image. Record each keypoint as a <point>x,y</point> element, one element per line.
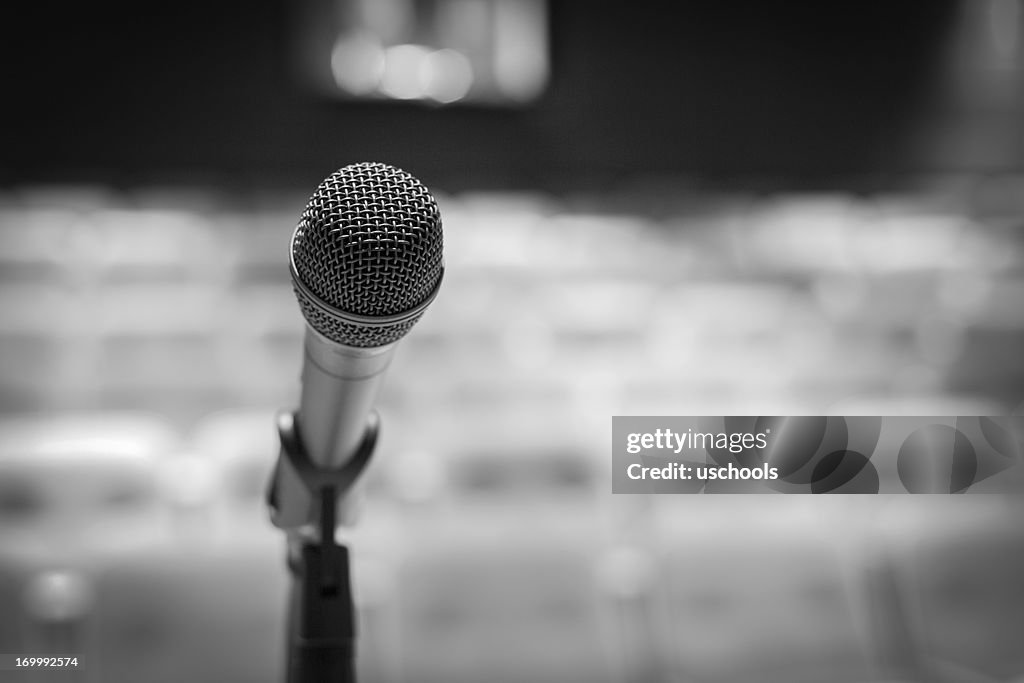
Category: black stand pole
<point>321,615</point>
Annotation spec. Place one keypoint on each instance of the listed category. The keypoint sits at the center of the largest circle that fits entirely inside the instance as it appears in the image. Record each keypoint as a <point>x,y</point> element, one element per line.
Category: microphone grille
<point>366,256</point>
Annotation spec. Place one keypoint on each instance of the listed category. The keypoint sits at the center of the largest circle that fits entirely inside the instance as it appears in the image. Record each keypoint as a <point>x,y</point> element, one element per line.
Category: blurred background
<point>713,208</point>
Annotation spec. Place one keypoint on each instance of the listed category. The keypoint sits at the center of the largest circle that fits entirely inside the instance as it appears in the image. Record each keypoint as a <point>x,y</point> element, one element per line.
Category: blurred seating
<point>752,588</point>
<point>179,302</point>
<point>949,597</point>
<point>241,447</point>
<point>498,579</point>
<point>203,612</point>
<point>75,484</point>
<point>488,548</point>
<point>77,494</point>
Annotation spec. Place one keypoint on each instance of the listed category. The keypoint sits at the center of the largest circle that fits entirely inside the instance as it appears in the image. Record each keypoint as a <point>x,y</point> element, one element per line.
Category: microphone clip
<point>319,483</point>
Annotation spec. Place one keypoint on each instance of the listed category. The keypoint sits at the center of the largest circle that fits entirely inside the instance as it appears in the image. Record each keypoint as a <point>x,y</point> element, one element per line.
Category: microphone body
<point>366,260</point>
<point>339,387</point>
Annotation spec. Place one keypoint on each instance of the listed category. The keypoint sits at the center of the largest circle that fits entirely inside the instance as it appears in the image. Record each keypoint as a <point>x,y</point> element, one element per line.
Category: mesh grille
<point>369,243</point>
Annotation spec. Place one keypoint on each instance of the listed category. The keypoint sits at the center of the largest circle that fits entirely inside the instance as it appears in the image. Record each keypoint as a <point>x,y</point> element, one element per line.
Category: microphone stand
<point>321,616</point>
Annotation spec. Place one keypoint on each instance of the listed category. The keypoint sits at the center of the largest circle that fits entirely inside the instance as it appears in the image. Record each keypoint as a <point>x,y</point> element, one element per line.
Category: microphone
<point>366,260</point>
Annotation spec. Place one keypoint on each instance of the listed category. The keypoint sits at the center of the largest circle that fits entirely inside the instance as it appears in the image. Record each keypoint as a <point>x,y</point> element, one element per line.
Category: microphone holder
<point>321,615</point>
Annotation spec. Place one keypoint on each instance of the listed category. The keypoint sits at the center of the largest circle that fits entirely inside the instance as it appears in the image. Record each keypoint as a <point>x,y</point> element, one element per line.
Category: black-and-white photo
<point>512,341</point>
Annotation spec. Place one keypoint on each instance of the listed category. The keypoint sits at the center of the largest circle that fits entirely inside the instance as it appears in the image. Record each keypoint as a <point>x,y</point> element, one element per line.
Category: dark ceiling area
<point>205,93</point>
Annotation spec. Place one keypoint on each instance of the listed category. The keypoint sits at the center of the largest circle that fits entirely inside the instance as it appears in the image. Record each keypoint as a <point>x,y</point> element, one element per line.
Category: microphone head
<point>366,256</point>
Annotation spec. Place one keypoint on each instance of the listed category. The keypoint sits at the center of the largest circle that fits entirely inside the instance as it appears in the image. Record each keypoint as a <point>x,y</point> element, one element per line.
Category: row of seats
<point>178,302</point>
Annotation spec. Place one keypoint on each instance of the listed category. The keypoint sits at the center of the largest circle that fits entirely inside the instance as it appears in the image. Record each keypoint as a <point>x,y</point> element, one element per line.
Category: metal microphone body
<point>339,387</point>
<point>366,260</point>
